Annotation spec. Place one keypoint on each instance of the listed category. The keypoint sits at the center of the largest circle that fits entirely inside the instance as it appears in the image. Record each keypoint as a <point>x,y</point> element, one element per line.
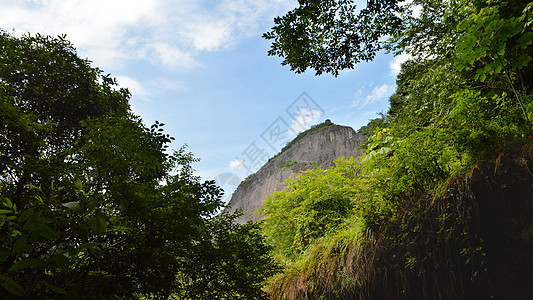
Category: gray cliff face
<point>319,149</point>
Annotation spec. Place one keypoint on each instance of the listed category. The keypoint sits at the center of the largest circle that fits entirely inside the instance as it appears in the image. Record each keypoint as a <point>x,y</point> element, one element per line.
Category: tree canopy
<point>93,206</point>
<point>432,194</point>
<point>329,36</point>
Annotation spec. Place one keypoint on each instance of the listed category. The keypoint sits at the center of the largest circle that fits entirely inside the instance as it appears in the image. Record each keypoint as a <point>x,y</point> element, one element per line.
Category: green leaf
<point>20,245</point>
<point>521,61</point>
<point>74,205</point>
<point>480,75</point>
<point>100,223</point>
<point>501,51</point>
<point>62,261</point>
<point>525,40</point>
<point>498,68</point>
<point>48,233</point>
<point>10,285</point>
<point>52,287</point>
<point>5,211</point>
<point>57,289</point>
<point>32,223</point>
<point>25,215</point>
<point>25,263</point>
<point>34,236</point>
<point>8,203</point>
<point>81,231</point>
<point>87,246</point>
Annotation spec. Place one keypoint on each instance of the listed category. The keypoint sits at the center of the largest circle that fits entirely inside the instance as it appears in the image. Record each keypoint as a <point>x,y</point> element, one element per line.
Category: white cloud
<point>211,36</point>
<point>114,31</point>
<point>174,57</point>
<point>378,93</point>
<point>97,27</point>
<point>234,164</point>
<point>396,64</point>
<point>134,86</point>
<point>305,117</point>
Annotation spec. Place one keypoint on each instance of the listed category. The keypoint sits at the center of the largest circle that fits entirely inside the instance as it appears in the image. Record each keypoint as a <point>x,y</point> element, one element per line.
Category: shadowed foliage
<point>92,205</point>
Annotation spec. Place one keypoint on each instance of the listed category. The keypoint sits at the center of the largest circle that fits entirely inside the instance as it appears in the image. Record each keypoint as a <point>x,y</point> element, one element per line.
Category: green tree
<point>329,36</point>
<point>211,273</point>
<point>311,206</point>
<point>92,204</point>
<point>462,102</point>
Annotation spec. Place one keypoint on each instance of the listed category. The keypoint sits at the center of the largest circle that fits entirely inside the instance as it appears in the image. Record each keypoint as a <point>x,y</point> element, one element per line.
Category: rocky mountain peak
<point>318,149</point>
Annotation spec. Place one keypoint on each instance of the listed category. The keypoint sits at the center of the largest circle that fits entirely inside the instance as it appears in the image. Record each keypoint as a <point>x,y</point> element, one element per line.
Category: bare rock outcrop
<point>319,149</point>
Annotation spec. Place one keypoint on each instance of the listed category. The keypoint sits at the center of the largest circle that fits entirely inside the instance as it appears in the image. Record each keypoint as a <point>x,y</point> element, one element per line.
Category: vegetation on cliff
<point>313,129</point>
<point>440,205</point>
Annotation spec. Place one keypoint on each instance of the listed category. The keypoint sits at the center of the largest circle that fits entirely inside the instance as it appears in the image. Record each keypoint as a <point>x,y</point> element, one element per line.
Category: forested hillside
<point>441,204</point>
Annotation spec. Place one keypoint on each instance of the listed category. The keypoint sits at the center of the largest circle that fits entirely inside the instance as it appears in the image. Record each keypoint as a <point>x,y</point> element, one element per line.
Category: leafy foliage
<point>92,206</point>
<point>311,206</point>
<point>431,178</point>
<point>212,274</point>
<point>328,36</point>
<point>286,164</point>
<point>372,126</point>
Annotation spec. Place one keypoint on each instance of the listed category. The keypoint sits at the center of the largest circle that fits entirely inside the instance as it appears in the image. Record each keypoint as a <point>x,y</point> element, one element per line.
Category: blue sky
<point>201,67</point>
